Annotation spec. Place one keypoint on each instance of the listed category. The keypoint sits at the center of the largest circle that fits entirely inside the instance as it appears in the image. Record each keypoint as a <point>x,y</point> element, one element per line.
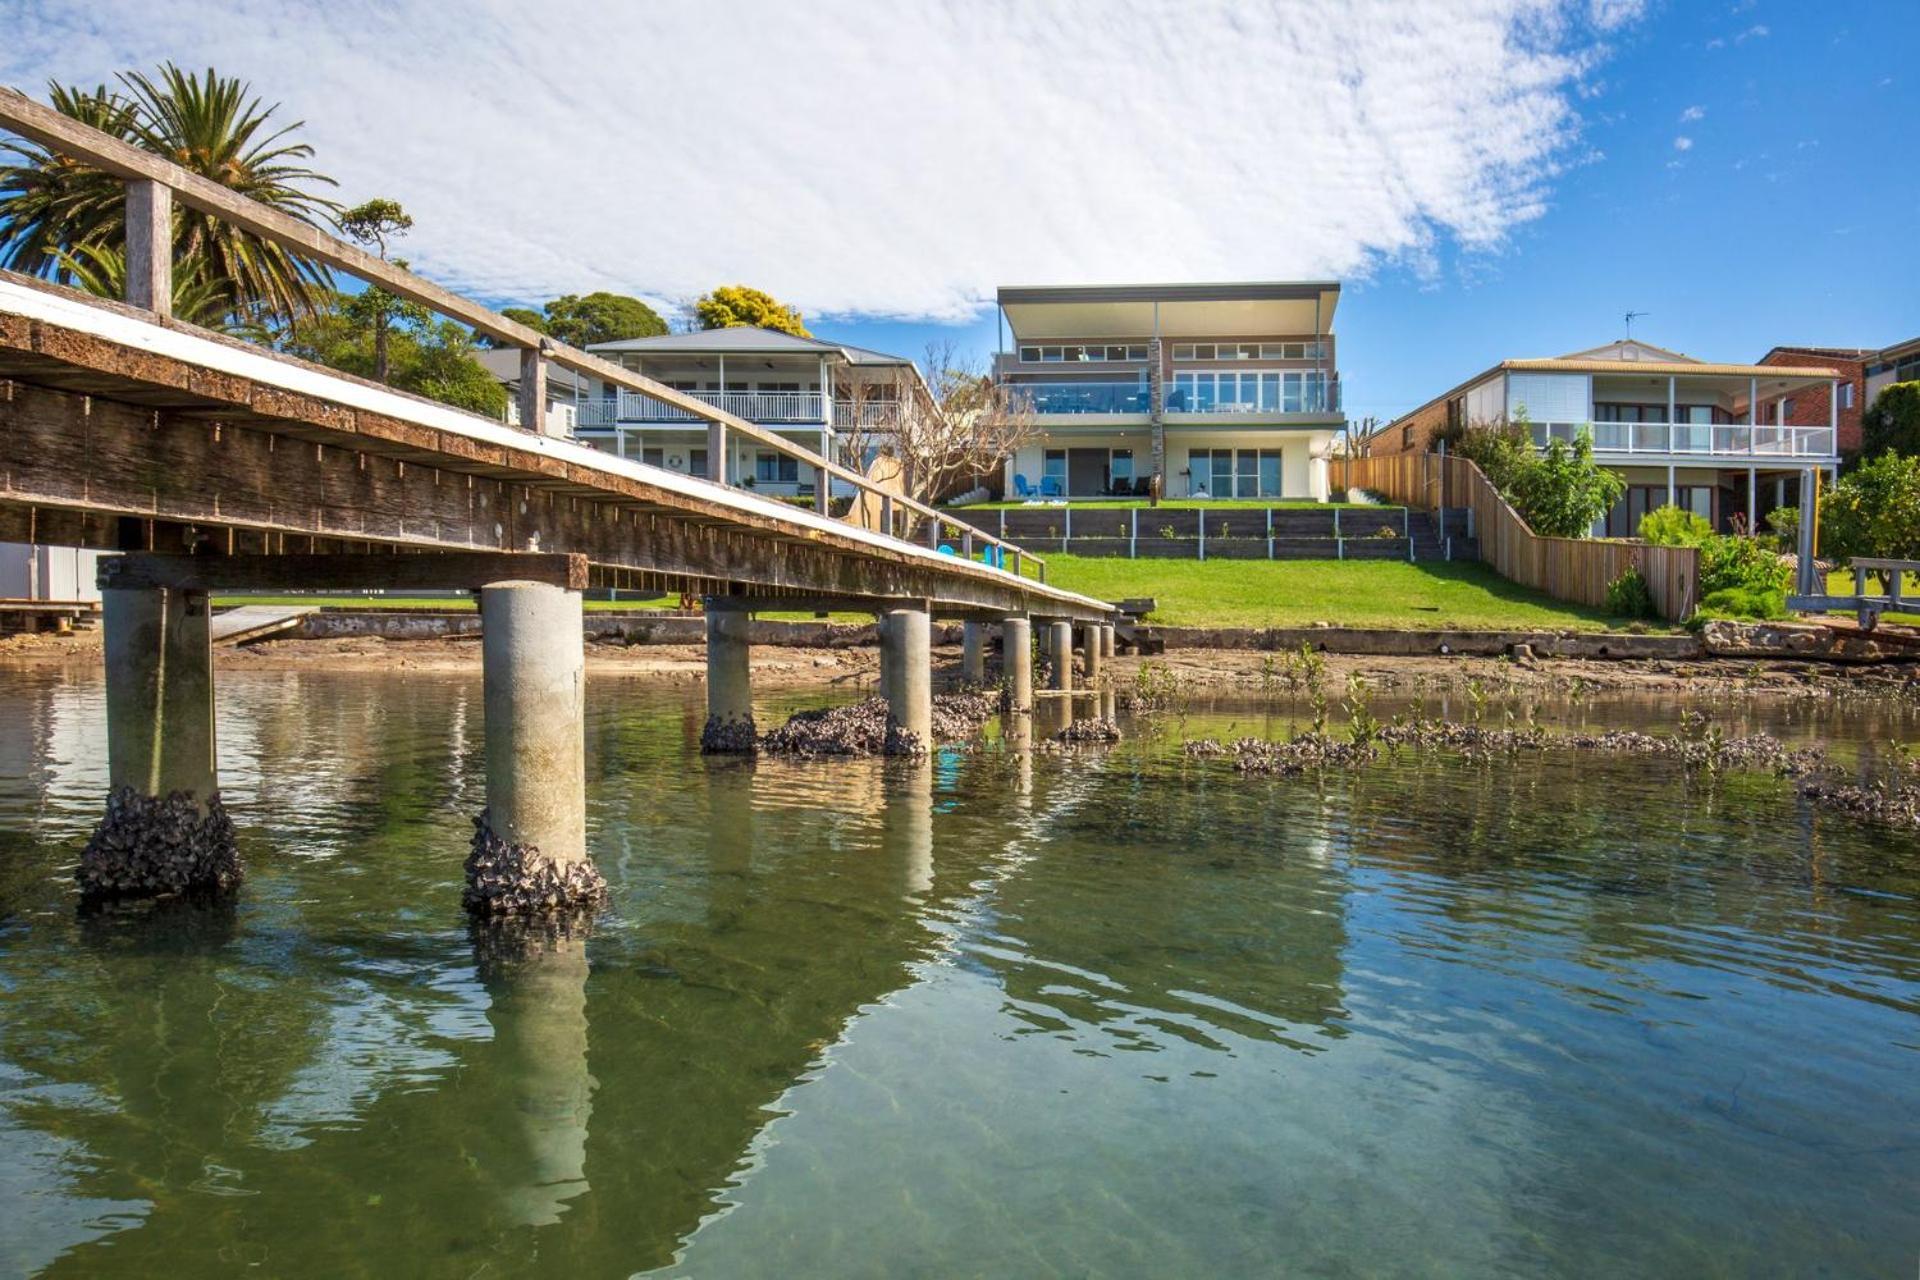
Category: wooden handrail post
<point>717,467</point>
<point>533,391</point>
<point>886,513</point>
<point>149,260</point>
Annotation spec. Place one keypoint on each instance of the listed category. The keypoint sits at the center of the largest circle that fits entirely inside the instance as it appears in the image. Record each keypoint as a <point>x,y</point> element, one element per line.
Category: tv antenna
<point>1631,317</point>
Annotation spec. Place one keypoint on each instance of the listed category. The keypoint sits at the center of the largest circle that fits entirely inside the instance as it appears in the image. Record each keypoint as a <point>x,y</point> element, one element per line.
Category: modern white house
<point>1221,390</point>
<point>818,393</point>
<point>1714,438</point>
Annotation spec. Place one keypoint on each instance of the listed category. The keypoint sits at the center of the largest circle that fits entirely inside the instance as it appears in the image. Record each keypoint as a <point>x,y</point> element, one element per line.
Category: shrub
<point>1892,423</point>
<point>1744,602</point>
<point>1629,597</point>
<point>1672,526</point>
<point>1741,564</point>
<point>1559,492</point>
<point>1784,523</point>
<point>1875,509</point>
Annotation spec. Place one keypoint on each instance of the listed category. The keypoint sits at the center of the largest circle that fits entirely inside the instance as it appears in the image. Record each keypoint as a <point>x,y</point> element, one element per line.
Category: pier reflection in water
<point>1008,1011</point>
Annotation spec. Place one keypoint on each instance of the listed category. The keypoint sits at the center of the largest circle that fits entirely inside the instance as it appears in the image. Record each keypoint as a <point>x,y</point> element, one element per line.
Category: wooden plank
<point>149,246</point>
<point>389,571</point>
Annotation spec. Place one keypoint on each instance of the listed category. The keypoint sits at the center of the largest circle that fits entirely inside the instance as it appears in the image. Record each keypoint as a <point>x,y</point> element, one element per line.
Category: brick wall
<point>1410,434</point>
<point>1810,404</point>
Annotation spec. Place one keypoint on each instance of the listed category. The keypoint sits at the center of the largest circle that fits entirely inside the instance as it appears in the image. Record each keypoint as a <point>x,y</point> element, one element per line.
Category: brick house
<point>1808,406</point>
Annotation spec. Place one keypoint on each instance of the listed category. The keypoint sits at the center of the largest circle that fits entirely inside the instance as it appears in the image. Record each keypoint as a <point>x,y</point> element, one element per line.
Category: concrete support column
<point>1093,653</point>
<point>1108,640</point>
<point>1060,652</point>
<point>1016,663</point>
<point>906,678</point>
<point>165,830</point>
<point>973,652</point>
<point>529,854</point>
<point>730,726</point>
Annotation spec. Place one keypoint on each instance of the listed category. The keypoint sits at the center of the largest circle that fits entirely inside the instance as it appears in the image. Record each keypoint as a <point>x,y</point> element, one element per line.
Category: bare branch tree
<point>953,435</point>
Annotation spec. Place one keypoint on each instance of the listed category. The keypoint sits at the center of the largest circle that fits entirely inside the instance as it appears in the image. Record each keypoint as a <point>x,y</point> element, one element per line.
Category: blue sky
<point>1791,214</point>
<point>1490,178</point>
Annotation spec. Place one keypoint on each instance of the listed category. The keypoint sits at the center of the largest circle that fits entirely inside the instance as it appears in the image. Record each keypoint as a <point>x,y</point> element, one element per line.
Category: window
<point>653,456</point>
<point>1247,473</point>
<point>697,463</point>
<point>1203,351</point>
<point>1137,353</point>
<point>1406,437</point>
<point>1846,395</point>
<point>1050,354</point>
<point>1054,467</point>
<point>1269,473</point>
<point>1030,355</point>
<point>1121,467</point>
<point>1222,473</point>
<point>775,468</point>
<point>1786,408</point>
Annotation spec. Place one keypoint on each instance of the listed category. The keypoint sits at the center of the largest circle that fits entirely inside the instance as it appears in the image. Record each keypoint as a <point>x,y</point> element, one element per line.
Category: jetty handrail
<point>1577,570</point>
<point>153,183</point>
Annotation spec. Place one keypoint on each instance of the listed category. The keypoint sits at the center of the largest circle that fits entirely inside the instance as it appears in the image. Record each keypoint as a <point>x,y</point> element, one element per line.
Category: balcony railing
<point>1699,439</point>
<point>754,406</point>
<point>1266,397</point>
<point>1084,397</point>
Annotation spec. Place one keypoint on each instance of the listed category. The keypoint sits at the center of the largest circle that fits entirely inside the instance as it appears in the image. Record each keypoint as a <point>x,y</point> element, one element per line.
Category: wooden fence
<point>1576,570</point>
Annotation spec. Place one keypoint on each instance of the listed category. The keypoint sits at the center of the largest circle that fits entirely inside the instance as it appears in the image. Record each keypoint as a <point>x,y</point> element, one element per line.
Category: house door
<point>1086,471</point>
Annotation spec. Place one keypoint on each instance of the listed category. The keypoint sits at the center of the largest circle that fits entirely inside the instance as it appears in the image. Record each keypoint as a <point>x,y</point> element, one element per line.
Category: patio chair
<point>1143,486</point>
<point>1022,487</point>
<point>1050,487</point>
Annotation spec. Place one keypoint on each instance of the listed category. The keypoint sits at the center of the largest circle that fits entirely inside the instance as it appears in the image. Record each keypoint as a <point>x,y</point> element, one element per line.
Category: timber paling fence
<point>1577,570</point>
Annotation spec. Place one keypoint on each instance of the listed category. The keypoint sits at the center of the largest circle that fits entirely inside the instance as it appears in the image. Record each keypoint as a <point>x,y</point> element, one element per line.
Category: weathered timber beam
<point>427,571</point>
<point>95,460</point>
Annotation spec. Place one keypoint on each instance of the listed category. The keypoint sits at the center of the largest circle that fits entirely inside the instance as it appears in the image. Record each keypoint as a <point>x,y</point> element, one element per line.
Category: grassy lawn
<point>1166,504</point>
<point>1294,593</point>
<point>1840,583</point>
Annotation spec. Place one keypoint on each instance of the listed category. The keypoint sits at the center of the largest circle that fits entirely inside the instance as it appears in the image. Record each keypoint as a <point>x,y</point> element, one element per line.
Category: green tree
<point>526,316</point>
<point>733,305</point>
<point>1561,492</point>
<point>1891,423</point>
<point>212,125</point>
<point>373,224</point>
<point>578,320</point>
<point>1874,510</point>
<point>102,270</point>
<point>426,356</point>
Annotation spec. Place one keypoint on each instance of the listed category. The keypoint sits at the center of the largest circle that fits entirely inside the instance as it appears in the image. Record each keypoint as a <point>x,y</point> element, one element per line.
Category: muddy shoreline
<point>1202,672</point>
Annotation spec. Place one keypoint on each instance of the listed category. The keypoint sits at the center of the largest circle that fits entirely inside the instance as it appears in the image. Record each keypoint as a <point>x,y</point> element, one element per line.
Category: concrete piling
<point>1095,647</point>
<point>906,678</point>
<point>1016,663</point>
<point>729,726</point>
<point>529,854</point>
<point>165,830</point>
<point>1060,650</point>
<point>973,652</point>
<point>1108,640</point>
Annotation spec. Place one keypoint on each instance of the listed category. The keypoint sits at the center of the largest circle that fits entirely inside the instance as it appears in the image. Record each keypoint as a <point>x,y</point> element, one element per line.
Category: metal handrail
<point>153,183</point>
<point>1701,439</point>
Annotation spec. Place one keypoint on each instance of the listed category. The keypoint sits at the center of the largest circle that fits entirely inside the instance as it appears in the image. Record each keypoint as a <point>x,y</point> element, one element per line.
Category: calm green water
<point>1113,1015</point>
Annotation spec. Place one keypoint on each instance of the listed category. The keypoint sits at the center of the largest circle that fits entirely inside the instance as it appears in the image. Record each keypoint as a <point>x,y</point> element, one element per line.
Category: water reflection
<point>1004,1010</point>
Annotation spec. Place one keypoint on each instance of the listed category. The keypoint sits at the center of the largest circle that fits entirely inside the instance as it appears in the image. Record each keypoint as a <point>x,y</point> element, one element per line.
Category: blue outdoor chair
<point>1050,487</point>
<point>1022,487</point>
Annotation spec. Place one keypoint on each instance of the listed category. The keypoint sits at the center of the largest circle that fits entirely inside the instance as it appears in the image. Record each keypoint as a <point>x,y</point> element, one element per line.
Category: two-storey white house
<point>1221,390</point>
<point>817,393</point>
<point>1713,438</point>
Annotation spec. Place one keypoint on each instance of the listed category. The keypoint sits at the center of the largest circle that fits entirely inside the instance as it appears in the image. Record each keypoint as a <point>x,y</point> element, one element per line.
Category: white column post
<point>1753,501</point>
<point>1672,493</point>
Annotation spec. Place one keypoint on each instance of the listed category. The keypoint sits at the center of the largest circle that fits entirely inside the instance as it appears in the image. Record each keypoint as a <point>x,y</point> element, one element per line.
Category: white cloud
<point>898,157</point>
<point>1693,113</point>
<point>1754,32</point>
<point>1716,43</point>
<point>1683,143</point>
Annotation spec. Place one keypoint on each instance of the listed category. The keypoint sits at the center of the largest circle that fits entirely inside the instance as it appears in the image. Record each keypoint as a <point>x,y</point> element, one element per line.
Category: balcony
<point>767,407</point>
<point>1084,397</point>
<point>1257,395</point>
<point>1693,439</point>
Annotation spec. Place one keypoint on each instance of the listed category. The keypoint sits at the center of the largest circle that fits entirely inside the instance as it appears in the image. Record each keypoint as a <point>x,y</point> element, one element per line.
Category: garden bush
<point>1629,597</point>
<point>1741,564</point>
<point>1672,526</point>
<point>1559,491</point>
<point>1744,603</point>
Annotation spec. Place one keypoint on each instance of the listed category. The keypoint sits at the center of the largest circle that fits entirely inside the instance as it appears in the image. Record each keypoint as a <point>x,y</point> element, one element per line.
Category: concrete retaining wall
<point>1411,644</point>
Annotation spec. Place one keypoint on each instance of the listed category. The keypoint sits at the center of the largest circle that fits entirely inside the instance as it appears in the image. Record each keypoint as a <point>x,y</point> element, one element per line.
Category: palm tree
<point>51,207</point>
<point>101,269</point>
